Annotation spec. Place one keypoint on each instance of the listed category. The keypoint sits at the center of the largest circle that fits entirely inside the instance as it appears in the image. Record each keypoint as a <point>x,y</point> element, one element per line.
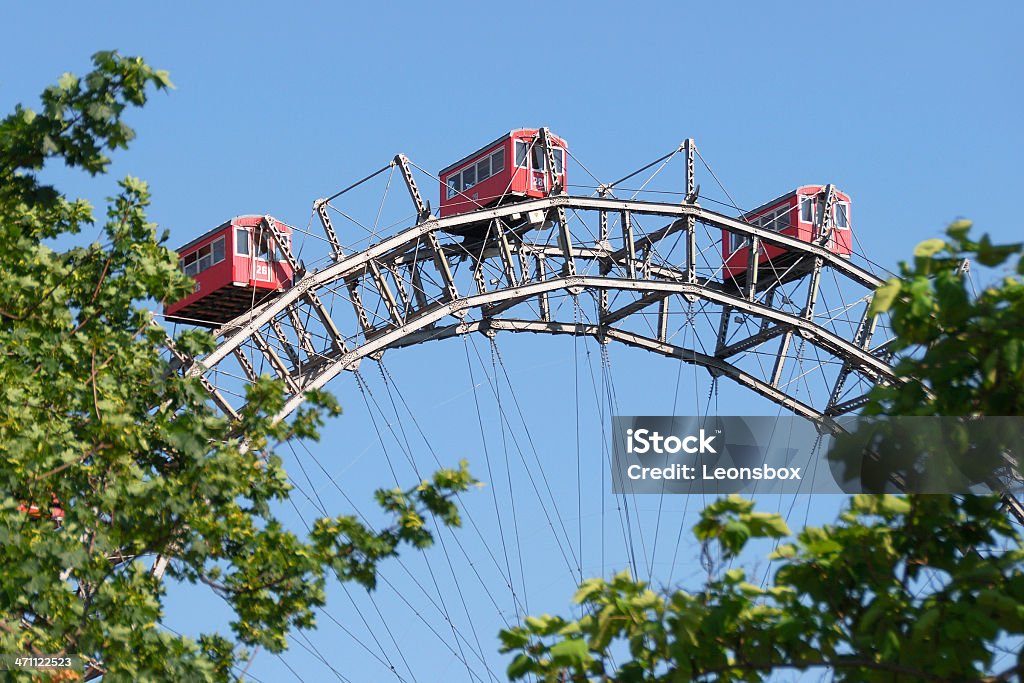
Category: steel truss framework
<point>500,269</point>
<point>512,268</point>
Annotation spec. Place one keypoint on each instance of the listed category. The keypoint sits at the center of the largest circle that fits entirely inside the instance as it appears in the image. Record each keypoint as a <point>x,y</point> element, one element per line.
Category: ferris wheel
<point>712,303</point>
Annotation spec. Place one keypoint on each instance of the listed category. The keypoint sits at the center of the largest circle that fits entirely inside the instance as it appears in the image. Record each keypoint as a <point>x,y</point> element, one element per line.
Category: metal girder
<point>505,250</point>
<point>689,150</point>
<point>403,293</point>
<point>337,339</point>
<point>675,281</point>
<point>320,206</point>
<point>300,331</point>
<point>827,225</point>
<point>848,406</point>
<point>565,243</point>
<point>418,293</point>
<point>780,358</point>
<point>542,298</point>
<point>270,225</point>
<point>441,263</point>
<point>190,365</point>
<point>628,245</point>
<point>753,257</point>
<point>549,158</point>
<point>756,339</point>
<point>629,309</point>
<point>275,361</point>
<point>278,329</point>
<point>385,293</point>
<point>242,326</point>
<point>478,273</point>
<point>422,208</point>
<point>246,365</point>
<point>691,249</point>
<point>723,329</point>
<point>357,303</point>
<point>862,338</point>
<point>663,319</point>
<point>825,339</point>
<point>812,290</point>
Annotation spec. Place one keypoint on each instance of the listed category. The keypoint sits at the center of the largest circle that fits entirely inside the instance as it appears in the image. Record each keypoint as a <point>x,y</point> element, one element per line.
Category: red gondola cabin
<point>236,266</point>
<point>798,214</point>
<point>510,168</point>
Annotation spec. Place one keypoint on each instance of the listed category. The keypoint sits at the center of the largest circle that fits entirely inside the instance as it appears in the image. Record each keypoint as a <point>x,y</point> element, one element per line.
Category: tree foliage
<point>97,423</point>
<point>900,588</point>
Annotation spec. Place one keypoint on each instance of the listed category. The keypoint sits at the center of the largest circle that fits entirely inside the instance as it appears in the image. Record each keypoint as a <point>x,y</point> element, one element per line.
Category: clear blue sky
<point>913,108</point>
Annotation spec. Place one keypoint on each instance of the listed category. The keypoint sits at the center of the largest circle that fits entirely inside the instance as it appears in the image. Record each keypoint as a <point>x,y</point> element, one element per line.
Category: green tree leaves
<point>140,463</point>
<point>898,589</point>
<point>965,351</point>
<point>851,596</point>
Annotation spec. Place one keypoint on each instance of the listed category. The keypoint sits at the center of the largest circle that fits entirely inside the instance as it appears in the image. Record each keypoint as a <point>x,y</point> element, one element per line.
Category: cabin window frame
<point>559,154</point>
<point>478,164</point>
<point>278,253</point>
<point>454,183</point>
<point>782,213</point>
<point>845,207</point>
<point>535,153</point>
<point>242,243</point>
<point>737,241</point>
<point>263,247</point>
<point>192,263</point>
<point>525,146</point>
<point>808,201</point>
<point>471,168</point>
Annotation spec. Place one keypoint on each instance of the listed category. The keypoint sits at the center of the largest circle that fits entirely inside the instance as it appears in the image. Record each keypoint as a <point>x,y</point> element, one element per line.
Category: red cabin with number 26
<point>236,266</point>
<point>798,214</point>
<point>513,167</point>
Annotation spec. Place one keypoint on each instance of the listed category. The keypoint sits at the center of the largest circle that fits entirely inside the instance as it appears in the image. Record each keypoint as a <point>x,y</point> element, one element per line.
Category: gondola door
<point>261,258</point>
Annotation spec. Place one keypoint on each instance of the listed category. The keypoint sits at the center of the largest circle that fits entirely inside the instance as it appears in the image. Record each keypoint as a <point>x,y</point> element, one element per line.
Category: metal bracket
<point>422,207</point>
<point>320,206</point>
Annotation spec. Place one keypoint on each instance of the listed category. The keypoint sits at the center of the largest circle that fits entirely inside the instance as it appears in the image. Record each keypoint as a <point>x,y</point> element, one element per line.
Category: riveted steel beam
<point>336,337</point>
<point>357,303</point>
<point>320,206</point>
<point>246,365</point>
<point>628,250</point>
<point>275,362</point>
<point>753,257</point>
<point>270,225</point>
<point>385,293</point>
<point>825,339</point>
<point>441,263</point>
<point>422,208</point>
<point>756,339</point>
<point>629,309</point>
<point>305,341</point>
<point>282,338</point>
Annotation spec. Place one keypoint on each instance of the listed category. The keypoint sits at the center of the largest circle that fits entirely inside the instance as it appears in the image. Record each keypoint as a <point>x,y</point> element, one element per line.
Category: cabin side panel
<point>208,262</point>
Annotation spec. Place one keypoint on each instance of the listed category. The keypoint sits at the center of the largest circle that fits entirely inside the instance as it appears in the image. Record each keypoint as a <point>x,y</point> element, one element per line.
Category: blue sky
<point>912,108</point>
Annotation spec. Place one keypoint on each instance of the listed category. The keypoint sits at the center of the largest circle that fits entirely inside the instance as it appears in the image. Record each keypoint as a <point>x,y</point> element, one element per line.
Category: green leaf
<point>929,248</point>
<point>884,296</point>
<point>958,229</point>
<point>572,653</point>
<point>519,667</point>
